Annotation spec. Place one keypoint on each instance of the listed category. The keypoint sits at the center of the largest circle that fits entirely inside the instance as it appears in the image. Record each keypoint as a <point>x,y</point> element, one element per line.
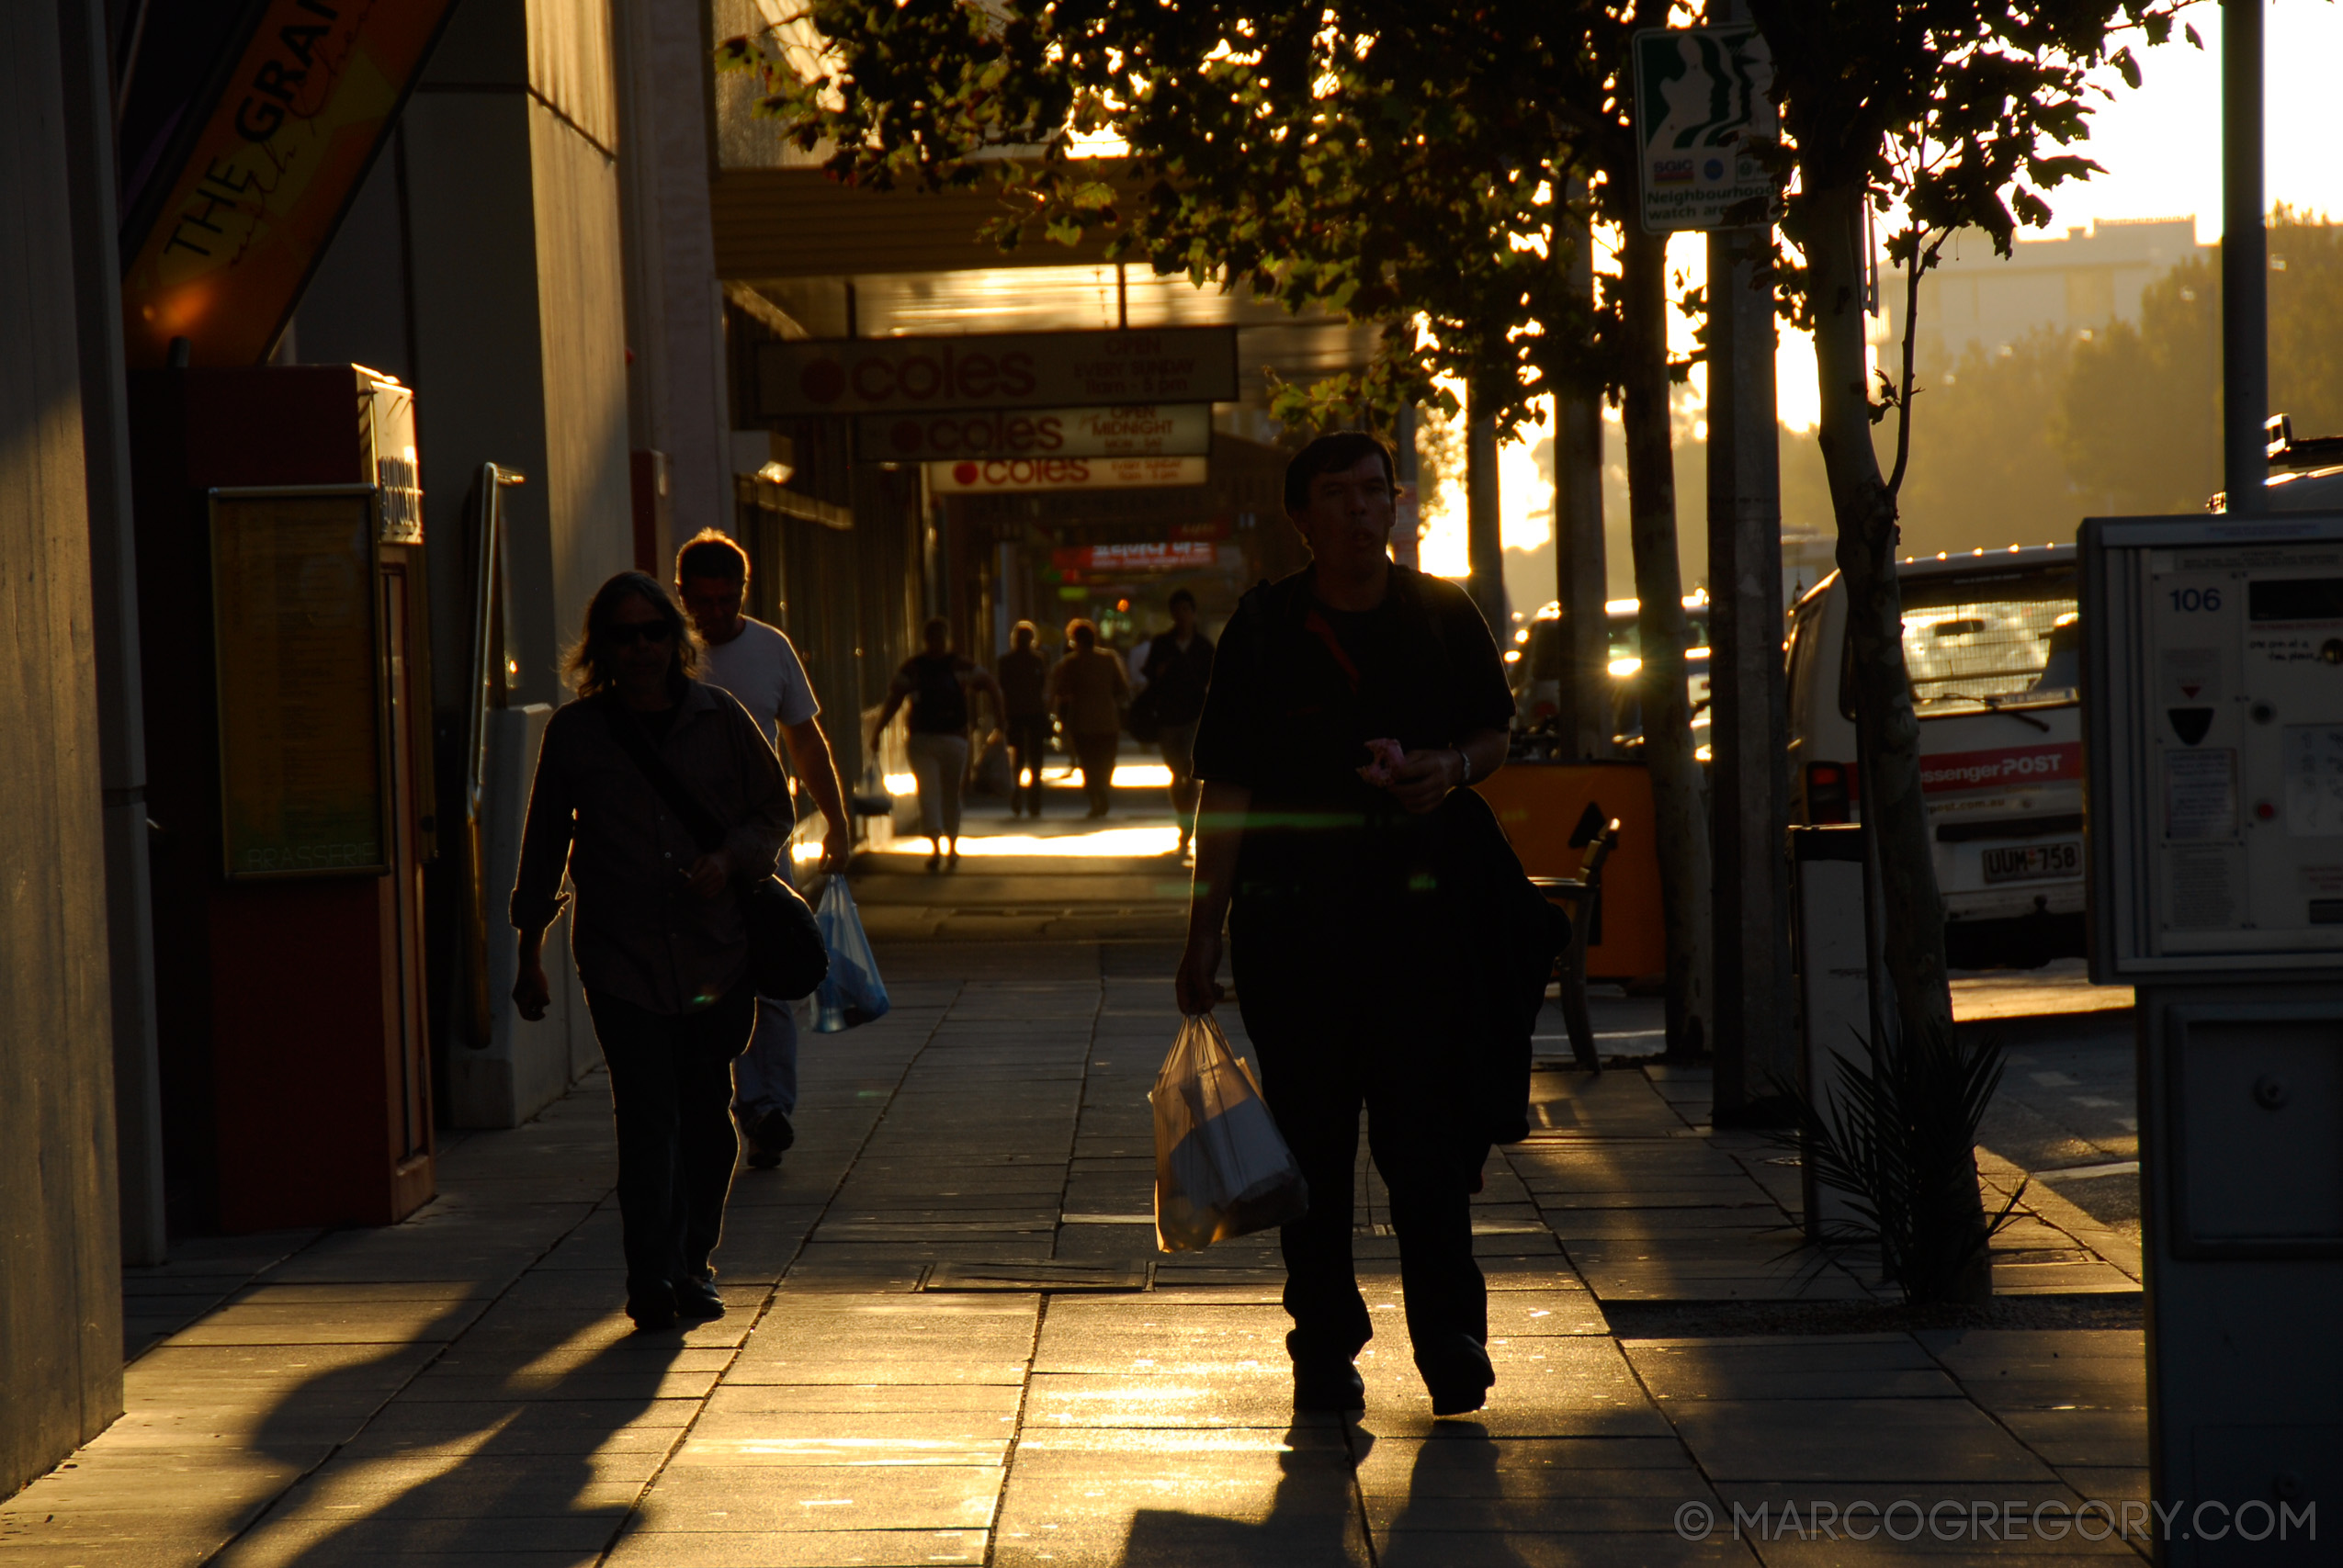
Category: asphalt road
<point>2068,1111</point>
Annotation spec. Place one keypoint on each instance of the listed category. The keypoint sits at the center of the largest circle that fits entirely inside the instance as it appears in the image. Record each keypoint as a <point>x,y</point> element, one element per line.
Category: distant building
<point>1974,299</point>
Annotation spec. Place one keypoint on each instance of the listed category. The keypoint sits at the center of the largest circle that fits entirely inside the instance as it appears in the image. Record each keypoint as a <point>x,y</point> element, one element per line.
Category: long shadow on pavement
<point>1453,1489</point>
<point>1313,1515</point>
<point>534,1464</point>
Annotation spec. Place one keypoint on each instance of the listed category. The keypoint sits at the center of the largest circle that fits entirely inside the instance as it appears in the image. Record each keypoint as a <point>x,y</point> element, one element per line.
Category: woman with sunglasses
<point>660,946</point>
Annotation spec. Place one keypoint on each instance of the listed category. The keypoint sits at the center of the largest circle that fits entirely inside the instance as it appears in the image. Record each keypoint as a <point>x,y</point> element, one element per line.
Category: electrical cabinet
<point>288,699</point>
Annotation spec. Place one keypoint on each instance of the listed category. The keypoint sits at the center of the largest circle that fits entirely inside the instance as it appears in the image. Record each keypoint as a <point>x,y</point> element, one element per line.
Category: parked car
<point>1534,666</point>
<point>1993,643</point>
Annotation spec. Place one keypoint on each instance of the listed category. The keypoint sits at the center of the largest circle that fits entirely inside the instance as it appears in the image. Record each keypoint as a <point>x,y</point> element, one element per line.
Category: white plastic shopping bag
<point>851,992</point>
<point>1221,1169</point>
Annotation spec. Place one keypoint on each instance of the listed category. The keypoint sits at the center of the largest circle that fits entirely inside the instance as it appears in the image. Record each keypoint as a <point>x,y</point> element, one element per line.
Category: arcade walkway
<point>949,1340</point>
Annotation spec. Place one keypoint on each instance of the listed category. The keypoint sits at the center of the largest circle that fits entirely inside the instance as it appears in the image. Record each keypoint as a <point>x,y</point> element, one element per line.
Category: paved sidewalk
<point>950,1341</point>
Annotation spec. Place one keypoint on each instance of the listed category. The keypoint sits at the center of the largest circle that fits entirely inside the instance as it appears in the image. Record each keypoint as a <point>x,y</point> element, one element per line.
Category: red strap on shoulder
<point>1315,624</point>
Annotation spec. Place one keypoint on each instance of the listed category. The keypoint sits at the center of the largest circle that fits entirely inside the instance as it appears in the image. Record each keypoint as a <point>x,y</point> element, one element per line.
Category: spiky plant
<point>1899,1139</point>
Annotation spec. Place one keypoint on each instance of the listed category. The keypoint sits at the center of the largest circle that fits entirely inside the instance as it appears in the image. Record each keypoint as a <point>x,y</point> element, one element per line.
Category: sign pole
<point>1749,724</point>
<point>2244,261</point>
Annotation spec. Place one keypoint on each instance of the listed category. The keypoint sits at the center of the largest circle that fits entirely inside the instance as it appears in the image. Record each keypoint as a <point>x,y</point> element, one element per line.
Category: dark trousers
<point>1096,754</point>
<point>1328,1049</point>
<point>670,1093</point>
<point>1028,752</point>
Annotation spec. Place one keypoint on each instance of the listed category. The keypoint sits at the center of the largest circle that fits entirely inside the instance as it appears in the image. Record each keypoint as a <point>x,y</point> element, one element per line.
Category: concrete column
<point>518,314</point>
<point>60,1281</point>
<point>138,1096</point>
<point>515,304</point>
<point>666,157</point>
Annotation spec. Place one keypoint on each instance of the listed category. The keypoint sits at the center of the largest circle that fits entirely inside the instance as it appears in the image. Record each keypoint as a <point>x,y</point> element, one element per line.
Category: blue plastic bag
<point>852,993</point>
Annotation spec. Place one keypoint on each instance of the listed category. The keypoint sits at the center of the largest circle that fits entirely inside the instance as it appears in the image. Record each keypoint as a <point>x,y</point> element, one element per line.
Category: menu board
<point>300,721</point>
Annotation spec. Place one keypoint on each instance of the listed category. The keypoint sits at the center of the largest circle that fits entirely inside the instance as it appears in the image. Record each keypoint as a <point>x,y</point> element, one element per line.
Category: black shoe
<point>653,1307</point>
<point>770,1138</point>
<point>1458,1374</point>
<point>696,1301</point>
<point>1330,1386</point>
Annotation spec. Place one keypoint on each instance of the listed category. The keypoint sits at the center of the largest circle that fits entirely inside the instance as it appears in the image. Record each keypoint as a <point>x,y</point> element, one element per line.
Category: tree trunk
<point>1888,770</point>
<point>1679,812</point>
<point>1484,513</point>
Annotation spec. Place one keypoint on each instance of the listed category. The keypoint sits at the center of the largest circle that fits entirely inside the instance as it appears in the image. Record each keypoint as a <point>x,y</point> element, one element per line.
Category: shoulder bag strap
<point>698,820</point>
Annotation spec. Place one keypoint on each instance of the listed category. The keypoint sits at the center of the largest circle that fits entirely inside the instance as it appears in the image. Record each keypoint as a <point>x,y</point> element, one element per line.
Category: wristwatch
<point>1464,763</point>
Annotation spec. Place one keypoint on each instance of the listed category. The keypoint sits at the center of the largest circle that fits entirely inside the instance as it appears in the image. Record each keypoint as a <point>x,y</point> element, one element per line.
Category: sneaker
<point>696,1301</point>
<point>769,1138</point>
<point>1333,1386</point>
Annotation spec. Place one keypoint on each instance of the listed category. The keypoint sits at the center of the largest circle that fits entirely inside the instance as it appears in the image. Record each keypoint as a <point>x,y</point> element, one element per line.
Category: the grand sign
<point>1140,430</point>
<point>1009,370</point>
<point>269,174</point>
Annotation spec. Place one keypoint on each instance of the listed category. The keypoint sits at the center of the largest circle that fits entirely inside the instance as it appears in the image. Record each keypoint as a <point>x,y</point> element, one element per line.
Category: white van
<point>1993,644</point>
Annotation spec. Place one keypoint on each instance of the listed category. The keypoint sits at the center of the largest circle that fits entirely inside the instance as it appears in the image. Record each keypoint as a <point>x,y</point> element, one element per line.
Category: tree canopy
<point>1410,166</point>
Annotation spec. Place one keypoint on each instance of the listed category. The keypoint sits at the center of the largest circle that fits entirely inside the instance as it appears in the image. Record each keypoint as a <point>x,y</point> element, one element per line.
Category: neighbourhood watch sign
<point>1699,91</point>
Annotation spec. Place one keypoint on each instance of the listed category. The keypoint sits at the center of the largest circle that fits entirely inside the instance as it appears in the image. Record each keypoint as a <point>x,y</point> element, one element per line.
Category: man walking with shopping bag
<point>1346,703</point>
<point>755,663</point>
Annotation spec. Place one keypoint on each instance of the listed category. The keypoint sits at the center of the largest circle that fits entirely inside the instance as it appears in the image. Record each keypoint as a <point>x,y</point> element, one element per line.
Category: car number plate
<point>2028,863</point>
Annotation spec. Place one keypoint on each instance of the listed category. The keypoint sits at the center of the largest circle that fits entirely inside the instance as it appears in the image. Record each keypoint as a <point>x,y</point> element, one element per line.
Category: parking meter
<point>2212,703</point>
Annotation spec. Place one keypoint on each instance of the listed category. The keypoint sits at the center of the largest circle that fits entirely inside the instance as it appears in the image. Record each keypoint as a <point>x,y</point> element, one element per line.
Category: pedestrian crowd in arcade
<point>1088,696</point>
<point>1319,757</point>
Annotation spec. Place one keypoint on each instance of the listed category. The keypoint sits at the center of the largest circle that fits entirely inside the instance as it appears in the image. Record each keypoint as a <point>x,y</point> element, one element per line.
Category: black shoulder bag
<point>786,956</point>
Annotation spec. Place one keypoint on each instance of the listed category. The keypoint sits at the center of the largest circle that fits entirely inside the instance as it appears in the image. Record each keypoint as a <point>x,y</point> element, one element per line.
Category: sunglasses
<point>640,631</point>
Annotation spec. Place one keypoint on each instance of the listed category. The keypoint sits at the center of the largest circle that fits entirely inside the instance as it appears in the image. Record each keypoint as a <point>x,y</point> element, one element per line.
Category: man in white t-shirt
<point>756,664</point>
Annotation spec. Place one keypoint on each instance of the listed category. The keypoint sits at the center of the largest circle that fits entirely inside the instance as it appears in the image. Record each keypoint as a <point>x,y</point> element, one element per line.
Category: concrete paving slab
<point>1443,1548</point>
<point>1675,1278</point>
<point>861,1364</point>
<point>1429,1512</point>
<point>797,1548</point>
<point>249,1322</point>
<point>1181,1507</point>
<point>1562,1467</point>
<point>875,1399</point>
<point>1004,1098</point>
<point>295,1541</point>
<point>1851,1439</point>
<point>1821,1366</point>
<point>2097,1439</point>
<point>1261,1397</point>
<point>823,1497</point>
<point>2116,1483</point>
